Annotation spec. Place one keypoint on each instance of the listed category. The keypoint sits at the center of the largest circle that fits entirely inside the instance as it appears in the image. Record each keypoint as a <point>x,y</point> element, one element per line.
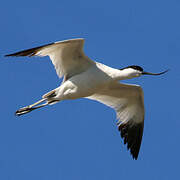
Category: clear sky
<point>79,139</point>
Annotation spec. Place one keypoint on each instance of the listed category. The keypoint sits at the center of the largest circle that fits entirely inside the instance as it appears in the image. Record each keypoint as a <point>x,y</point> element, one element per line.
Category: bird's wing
<point>128,101</point>
<point>67,56</point>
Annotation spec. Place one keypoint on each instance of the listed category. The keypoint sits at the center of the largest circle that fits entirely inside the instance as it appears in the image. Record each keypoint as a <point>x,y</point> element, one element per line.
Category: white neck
<point>124,74</point>
<point>117,74</point>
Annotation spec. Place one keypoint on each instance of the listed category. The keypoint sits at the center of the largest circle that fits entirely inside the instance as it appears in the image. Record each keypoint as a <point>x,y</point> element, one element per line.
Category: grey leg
<point>30,108</point>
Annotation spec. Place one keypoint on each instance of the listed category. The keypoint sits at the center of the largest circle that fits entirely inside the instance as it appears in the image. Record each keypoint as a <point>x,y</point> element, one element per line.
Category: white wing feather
<point>67,56</point>
<point>128,101</point>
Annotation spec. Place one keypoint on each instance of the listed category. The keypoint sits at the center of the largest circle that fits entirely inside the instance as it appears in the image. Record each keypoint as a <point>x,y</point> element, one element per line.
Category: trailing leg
<point>31,107</point>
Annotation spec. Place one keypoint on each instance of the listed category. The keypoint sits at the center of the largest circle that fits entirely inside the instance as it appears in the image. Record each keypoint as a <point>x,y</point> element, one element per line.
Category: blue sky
<point>79,139</point>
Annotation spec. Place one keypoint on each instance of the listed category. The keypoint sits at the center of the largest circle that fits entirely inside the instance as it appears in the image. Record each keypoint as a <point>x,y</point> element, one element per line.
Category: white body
<point>87,83</point>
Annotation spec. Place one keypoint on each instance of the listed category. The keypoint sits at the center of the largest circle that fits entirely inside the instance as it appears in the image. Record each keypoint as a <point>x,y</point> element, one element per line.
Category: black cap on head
<point>138,68</point>
<point>134,67</point>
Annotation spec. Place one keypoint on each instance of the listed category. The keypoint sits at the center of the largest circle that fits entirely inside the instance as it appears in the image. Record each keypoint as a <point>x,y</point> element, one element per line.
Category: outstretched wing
<point>128,101</point>
<point>67,56</point>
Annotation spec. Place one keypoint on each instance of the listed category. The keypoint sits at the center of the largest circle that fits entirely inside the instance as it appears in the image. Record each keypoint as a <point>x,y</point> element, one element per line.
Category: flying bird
<point>85,78</point>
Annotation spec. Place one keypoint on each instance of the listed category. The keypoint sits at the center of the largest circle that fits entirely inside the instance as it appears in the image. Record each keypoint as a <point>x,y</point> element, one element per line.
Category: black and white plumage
<point>84,78</point>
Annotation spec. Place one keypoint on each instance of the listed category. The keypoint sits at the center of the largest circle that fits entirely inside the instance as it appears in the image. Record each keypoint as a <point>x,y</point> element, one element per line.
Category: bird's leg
<point>36,103</point>
<point>31,107</point>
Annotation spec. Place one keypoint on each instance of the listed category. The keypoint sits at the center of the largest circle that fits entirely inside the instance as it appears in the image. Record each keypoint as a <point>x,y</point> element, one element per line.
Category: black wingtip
<point>132,135</point>
<point>9,55</point>
<point>22,53</point>
<point>28,52</point>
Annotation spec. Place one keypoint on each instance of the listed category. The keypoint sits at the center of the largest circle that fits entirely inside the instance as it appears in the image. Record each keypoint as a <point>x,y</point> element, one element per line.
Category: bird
<point>85,78</point>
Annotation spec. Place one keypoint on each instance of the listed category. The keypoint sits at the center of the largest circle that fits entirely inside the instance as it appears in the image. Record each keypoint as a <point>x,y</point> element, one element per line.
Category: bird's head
<point>136,71</point>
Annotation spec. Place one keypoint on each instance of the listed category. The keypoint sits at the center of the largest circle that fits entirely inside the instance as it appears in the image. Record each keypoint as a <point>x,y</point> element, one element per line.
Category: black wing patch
<point>132,134</point>
<point>28,52</point>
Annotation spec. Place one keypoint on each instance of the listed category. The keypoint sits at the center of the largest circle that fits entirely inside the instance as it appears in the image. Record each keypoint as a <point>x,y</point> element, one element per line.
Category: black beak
<point>155,74</point>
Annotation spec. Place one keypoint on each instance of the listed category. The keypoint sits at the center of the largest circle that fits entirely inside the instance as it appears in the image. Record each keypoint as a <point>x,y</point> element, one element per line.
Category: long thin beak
<point>155,74</point>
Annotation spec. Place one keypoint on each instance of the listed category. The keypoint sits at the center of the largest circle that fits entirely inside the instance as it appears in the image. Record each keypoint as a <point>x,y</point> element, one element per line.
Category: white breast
<point>84,84</point>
